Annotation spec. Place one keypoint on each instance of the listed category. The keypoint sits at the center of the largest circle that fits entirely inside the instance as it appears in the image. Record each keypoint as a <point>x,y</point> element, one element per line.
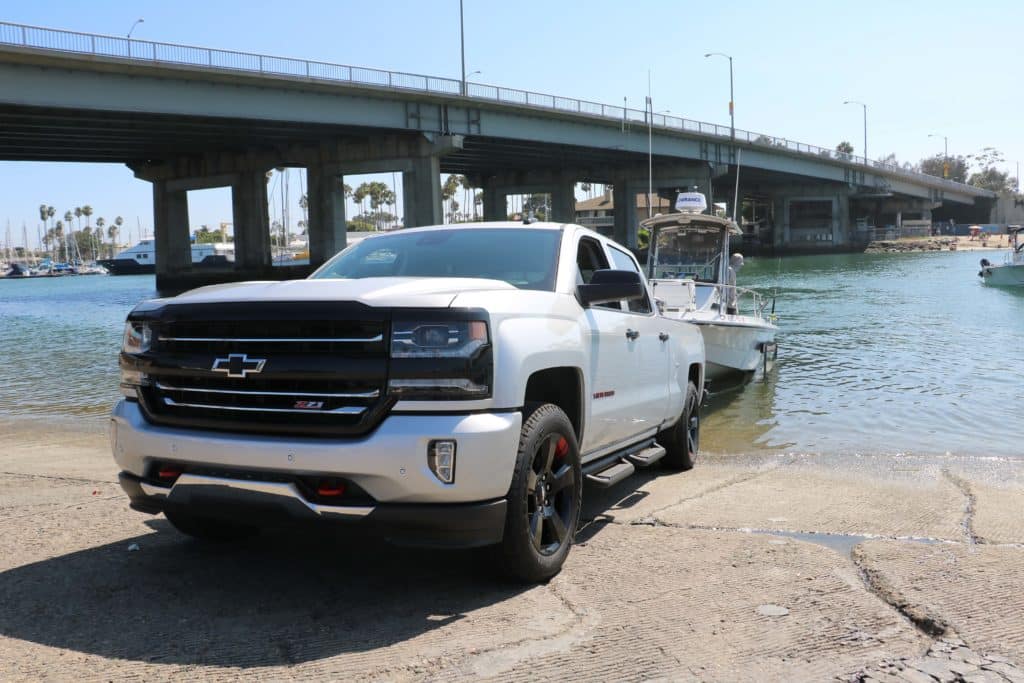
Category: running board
<point>647,456</point>
<point>613,474</point>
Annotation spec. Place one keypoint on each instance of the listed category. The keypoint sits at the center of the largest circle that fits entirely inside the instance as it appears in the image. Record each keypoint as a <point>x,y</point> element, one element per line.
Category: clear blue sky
<point>933,66</point>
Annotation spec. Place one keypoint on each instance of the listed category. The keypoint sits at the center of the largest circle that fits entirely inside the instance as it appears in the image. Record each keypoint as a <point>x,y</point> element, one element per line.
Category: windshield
<point>690,254</point>
<point>523,257</point>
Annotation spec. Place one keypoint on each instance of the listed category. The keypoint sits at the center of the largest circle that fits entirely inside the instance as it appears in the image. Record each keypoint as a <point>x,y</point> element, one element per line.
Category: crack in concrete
<point>970,501</point>
<point>739,479</point>
<point>931,625</point>
<point>79,480</point>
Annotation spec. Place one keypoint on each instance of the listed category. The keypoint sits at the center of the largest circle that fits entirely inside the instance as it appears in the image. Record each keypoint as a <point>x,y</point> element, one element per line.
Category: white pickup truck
<point>450,385</point>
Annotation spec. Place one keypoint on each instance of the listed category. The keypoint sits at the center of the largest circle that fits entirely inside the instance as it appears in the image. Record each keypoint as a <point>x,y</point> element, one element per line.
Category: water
<point>59,339</point>
<point>886,353</point>
<point>883,353</point>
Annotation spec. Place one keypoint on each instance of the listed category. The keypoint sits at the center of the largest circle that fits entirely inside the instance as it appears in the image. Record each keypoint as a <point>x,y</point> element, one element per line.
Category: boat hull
<point>127,266</point>
<point>1003,276</point>
<point>734,348</point>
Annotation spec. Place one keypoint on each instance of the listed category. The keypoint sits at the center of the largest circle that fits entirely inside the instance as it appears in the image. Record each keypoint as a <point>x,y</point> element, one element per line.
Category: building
<point>599,213</point>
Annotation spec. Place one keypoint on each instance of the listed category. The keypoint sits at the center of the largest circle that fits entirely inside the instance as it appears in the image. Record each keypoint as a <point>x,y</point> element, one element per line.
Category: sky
<point>935,66</point>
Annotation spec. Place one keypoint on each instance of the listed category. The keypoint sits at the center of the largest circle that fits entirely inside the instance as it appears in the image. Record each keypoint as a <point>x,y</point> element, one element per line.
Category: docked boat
<point>140,259</point>
<point>694,278</point>
<point>1010,273</point>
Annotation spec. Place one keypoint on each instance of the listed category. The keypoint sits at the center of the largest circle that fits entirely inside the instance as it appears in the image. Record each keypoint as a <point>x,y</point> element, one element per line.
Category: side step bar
<point>618,469</point>
<point>611,476</point>
<point>647,456</point>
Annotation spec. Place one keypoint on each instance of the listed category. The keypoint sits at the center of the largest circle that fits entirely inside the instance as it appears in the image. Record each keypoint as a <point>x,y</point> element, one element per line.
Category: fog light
<point>441,459</point>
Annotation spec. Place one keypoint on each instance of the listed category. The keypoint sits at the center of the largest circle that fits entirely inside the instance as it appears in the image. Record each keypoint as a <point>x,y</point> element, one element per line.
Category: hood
<point>422,292</point>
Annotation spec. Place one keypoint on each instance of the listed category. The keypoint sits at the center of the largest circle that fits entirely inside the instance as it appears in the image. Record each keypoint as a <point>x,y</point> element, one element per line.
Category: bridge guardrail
<point>60,40</point>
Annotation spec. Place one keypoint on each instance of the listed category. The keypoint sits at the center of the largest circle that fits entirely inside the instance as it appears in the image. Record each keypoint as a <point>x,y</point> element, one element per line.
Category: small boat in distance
<point>1010,273</point>
<point>140,259</point>
<point>693,278</point>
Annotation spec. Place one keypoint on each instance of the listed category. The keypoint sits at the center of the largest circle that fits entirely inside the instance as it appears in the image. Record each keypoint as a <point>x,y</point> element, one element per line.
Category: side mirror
<point>611,285</point>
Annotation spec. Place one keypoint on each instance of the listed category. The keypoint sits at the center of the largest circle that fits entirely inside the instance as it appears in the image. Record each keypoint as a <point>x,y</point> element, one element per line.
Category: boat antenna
<point>736,192</point>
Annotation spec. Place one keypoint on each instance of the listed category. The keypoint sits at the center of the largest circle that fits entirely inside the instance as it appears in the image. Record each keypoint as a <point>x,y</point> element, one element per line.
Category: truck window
<point>590,257</point>
<point>624,261</point>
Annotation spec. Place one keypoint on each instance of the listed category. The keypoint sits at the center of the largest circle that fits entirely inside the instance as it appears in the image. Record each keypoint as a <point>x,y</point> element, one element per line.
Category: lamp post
<point>462,46</point>
<point>138,21</point>
<point>865,127</point>
<point>945,153</point>
<point>732,101</point>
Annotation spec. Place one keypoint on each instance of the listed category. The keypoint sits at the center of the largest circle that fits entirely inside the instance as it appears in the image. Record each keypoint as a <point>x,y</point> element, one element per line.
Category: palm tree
<point>58,232</point>
<point>100,222</point>
<point>43,215</point>
<point>467,188</point>
<point>78,215</point>
<point>448,190</point>
<point>112,232</point>
<point>87,212</point>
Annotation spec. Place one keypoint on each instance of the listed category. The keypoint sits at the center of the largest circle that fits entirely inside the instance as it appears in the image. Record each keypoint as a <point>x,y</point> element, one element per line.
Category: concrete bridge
<point>187,118</point>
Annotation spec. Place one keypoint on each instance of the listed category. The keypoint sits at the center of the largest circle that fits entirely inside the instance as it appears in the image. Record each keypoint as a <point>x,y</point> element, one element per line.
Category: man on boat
<point>731,296</point>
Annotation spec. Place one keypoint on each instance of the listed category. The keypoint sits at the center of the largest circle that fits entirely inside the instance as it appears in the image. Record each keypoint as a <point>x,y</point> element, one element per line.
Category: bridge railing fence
<point>229,60</point>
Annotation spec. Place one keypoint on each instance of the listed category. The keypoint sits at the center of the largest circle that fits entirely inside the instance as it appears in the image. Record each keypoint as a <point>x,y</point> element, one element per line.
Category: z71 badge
<point>308,405</point>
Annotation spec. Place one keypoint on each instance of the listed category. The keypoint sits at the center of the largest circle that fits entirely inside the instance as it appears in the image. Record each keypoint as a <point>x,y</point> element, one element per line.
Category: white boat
<point>693,278</point>
<point>1010,273</point>
<point>141,258</point>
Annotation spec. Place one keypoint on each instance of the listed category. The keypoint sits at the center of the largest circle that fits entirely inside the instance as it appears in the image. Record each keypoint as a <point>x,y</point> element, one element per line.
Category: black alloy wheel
<point>544,498</point>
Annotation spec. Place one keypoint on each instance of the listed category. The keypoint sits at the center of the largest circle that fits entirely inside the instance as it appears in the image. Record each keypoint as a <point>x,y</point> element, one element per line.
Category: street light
<point>865,127</point>
<point>945,153</point>
<point>732,112</point>
<point>138,21</point>
<point>462,46</point>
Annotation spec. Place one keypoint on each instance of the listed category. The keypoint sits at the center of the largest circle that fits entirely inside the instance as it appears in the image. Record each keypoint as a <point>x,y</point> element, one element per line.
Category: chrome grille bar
<point>275,340</point>
<point>366,394</point>
<point>344,410</point>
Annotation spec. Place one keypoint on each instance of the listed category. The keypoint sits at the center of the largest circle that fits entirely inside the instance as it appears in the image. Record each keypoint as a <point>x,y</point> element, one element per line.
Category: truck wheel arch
<point>562,386</point>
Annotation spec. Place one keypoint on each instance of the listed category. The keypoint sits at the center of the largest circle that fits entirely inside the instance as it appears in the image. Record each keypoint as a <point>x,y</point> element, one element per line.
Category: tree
<point>448,191</point>
<point>87,212</point>
<point>936,166</point>
<point>844,150</point>
<point>112,232</point>
<point>586,187</point>
<point>100,222</point>
<point>987,176</point>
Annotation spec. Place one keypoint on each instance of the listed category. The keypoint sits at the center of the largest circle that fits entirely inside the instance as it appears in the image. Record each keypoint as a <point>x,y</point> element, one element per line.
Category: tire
<point>207,528</point>
<point>682,440</point>
<point>540,522</point>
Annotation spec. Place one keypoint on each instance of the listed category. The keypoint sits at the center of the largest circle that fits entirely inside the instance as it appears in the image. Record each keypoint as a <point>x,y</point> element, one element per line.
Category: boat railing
<point>748,301</point>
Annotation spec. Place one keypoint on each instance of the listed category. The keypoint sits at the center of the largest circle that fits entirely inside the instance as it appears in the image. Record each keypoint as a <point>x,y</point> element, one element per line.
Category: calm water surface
<point>878,353</point>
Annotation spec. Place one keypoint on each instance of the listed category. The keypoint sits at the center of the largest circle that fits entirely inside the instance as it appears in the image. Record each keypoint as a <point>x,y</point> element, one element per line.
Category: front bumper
<point>260,503</point>
<point>390,464</point>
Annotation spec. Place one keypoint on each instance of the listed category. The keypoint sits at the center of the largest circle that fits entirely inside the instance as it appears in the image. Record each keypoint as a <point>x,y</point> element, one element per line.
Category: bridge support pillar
<point>421,187</point>
<point>495,202</point>
<point>170,228</point>
<point>563,201</point>
<point>251,221</point>
<point>327,231</point>
<point>627,223</point>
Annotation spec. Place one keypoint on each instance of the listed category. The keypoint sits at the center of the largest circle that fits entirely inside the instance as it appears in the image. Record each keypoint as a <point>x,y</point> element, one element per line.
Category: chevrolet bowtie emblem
<point>239,365</point>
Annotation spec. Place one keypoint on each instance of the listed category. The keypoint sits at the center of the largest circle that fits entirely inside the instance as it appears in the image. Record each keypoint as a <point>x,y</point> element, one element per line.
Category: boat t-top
<point>1011,272</point>
<point>693,277</point>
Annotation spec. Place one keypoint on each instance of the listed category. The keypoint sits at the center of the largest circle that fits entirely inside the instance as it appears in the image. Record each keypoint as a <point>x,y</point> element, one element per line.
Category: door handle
<point>632,334</point>
<point>663,336</point>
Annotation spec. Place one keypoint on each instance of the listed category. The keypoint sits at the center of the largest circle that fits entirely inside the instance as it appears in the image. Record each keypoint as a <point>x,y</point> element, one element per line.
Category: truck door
<point>650,400</point>
<point>613,358</point>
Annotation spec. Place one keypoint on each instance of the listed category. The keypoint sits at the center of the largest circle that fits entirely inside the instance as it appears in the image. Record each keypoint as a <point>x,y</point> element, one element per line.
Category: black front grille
<point>319,374</point>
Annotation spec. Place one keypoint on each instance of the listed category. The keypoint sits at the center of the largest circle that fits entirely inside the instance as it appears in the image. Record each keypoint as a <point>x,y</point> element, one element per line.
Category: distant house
<point>599,213</point>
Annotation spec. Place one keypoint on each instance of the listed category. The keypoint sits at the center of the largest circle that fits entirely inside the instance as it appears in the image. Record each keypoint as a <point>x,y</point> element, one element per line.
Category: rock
<point>984,677</point>
<point>772,611</point>
<point>939,668</point>
<point>915,676</point>
<point>1006,670</point>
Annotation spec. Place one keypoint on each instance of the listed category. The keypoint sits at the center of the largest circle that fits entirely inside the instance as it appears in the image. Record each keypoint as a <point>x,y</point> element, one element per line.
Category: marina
<point>849,328</point>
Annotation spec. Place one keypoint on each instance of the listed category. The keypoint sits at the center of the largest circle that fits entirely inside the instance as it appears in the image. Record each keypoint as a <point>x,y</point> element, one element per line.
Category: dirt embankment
<point>947,243</point>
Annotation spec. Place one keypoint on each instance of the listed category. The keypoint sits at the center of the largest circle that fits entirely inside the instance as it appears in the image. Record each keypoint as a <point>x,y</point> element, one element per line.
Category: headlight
<point>438,359</point>
<point>137,337</point>
<point>422,339</point>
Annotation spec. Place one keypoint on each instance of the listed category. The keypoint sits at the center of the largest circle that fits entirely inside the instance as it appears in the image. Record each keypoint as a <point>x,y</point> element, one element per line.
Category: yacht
<point>1010,273</point>
<point>140,259</point>
<point>693,278</point>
